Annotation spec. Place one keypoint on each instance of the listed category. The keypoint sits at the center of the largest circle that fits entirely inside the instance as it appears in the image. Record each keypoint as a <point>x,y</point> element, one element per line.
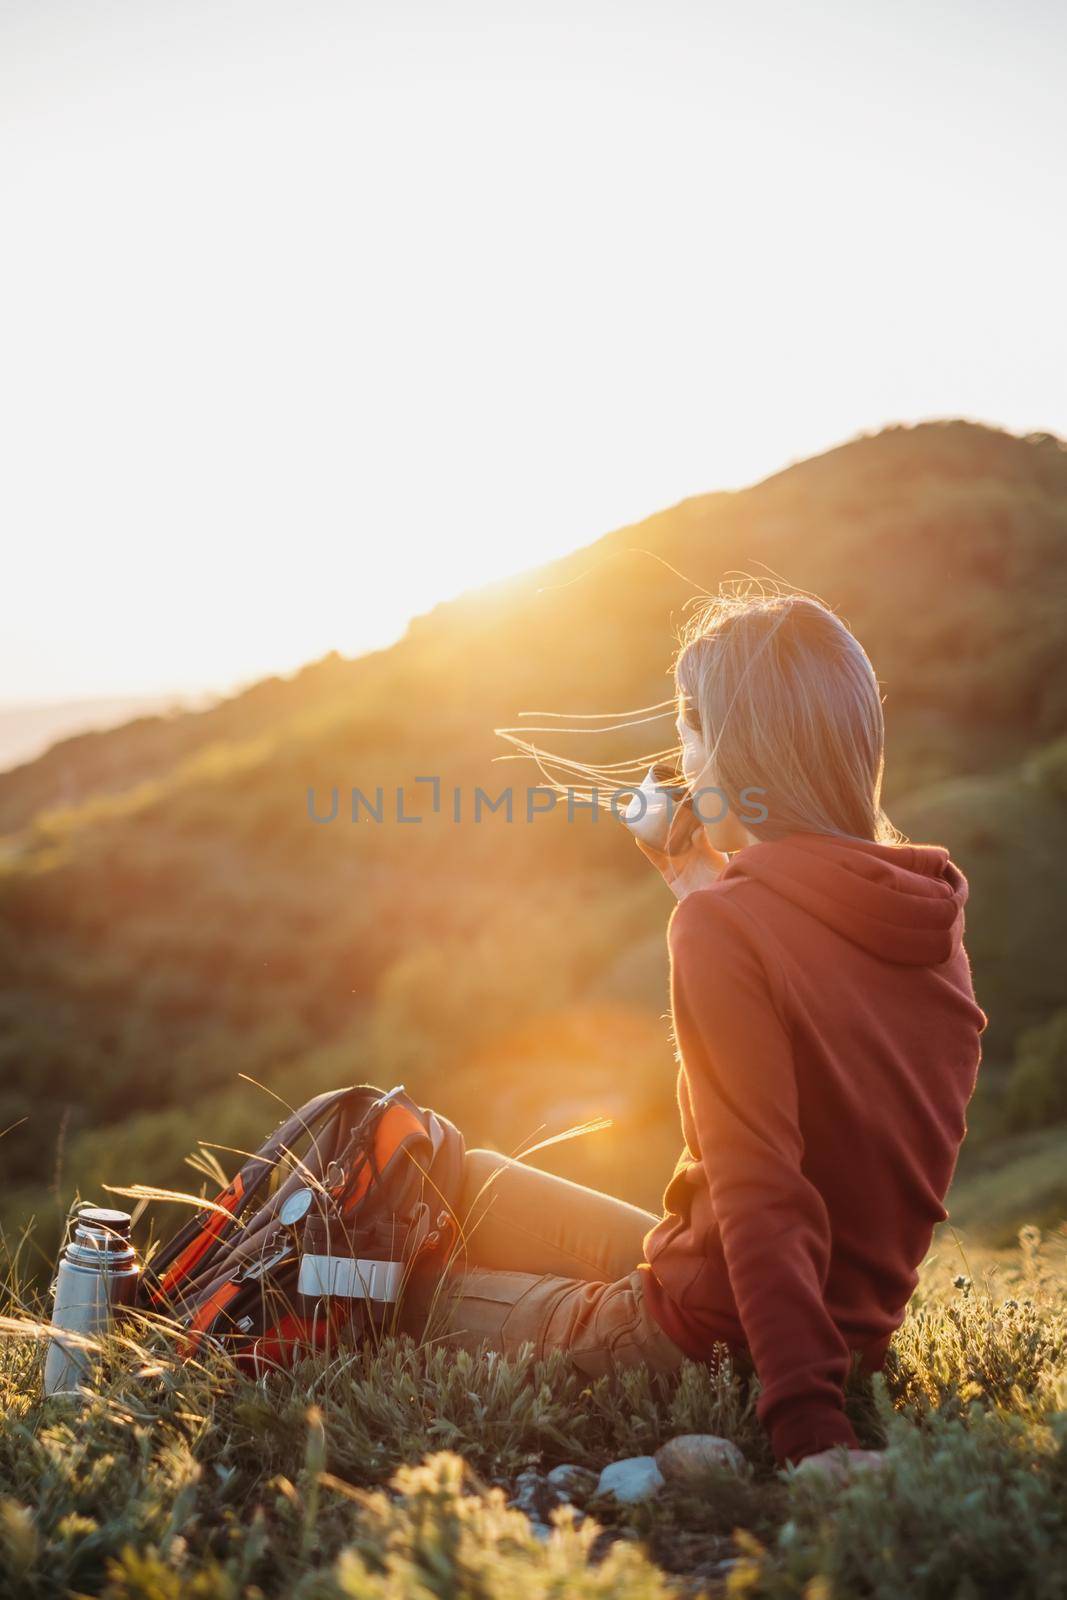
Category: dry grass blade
<point>594,1125</point>
<point>30,1328</point>
<point>359,1497</point>
<point>144,1191</point>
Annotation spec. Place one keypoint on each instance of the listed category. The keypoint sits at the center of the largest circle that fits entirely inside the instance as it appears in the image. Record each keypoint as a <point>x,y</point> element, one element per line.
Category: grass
<point>385,1472</point>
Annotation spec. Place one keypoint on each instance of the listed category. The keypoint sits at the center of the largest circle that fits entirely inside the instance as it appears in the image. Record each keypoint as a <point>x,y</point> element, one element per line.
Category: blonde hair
<point>786,701</point>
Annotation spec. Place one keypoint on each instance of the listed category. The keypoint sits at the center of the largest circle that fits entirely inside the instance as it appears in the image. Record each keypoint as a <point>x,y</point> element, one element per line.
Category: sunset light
<point>315,315</point>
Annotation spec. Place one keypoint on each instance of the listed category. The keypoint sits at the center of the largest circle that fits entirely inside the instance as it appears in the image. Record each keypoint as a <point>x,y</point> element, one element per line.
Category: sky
<point>313,315</point>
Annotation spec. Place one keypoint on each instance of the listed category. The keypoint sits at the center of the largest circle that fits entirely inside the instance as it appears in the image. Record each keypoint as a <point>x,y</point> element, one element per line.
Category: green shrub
<point>1048,769</point>
<point>961,1510</point>
<point>1037,1088</point>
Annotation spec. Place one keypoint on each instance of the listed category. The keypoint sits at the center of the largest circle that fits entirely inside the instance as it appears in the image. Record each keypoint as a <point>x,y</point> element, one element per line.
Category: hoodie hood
<point>901,902</point>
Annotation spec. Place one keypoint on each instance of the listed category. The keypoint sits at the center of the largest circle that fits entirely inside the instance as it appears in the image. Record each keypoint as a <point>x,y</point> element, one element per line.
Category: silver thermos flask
<point>98,1271</point>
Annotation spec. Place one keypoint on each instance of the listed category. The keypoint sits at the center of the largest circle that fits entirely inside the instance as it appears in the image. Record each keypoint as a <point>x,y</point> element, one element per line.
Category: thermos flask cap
<point>118,1222</point>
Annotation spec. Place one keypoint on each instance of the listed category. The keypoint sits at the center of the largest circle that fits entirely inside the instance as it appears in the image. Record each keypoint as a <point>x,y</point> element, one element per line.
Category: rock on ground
<point>635,1478</point>
<point>533,1496</point>
<point>572,1482</point>
<point>692,1455</point>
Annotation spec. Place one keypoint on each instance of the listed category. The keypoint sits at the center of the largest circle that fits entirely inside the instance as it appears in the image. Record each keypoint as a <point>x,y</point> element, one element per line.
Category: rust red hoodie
<point>828,1037</point>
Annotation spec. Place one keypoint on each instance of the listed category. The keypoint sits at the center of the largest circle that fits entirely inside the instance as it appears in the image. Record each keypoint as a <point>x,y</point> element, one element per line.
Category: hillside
<point>31,727</point>
<point>170,916</point>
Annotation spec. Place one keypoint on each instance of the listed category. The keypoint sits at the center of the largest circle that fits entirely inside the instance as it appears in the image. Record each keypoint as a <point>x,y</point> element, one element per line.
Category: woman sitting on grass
<point>828,1039</point>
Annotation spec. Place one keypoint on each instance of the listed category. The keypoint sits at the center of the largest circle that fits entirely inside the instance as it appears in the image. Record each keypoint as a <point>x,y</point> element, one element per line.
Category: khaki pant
<point>547,1262</point>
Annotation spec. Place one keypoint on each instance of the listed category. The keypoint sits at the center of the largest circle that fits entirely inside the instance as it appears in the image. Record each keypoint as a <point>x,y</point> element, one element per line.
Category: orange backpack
<point>313,1240</point>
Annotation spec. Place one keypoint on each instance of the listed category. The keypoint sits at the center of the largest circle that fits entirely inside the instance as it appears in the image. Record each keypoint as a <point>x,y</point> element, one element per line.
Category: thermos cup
<point>652,813</point>
<point>98,1271</point>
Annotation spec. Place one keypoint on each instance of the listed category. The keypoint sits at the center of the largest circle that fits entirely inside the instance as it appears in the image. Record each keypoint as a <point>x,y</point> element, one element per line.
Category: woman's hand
<point>692,863</point>
<point>838,1465</point>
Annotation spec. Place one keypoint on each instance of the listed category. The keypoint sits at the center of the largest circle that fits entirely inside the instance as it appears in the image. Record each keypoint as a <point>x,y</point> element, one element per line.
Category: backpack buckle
<point>267,1259</point>
<point>349,1278</point>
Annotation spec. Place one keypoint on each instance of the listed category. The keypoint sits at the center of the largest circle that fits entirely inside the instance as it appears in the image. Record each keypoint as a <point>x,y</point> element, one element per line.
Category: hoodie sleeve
<point>738,1060</point>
